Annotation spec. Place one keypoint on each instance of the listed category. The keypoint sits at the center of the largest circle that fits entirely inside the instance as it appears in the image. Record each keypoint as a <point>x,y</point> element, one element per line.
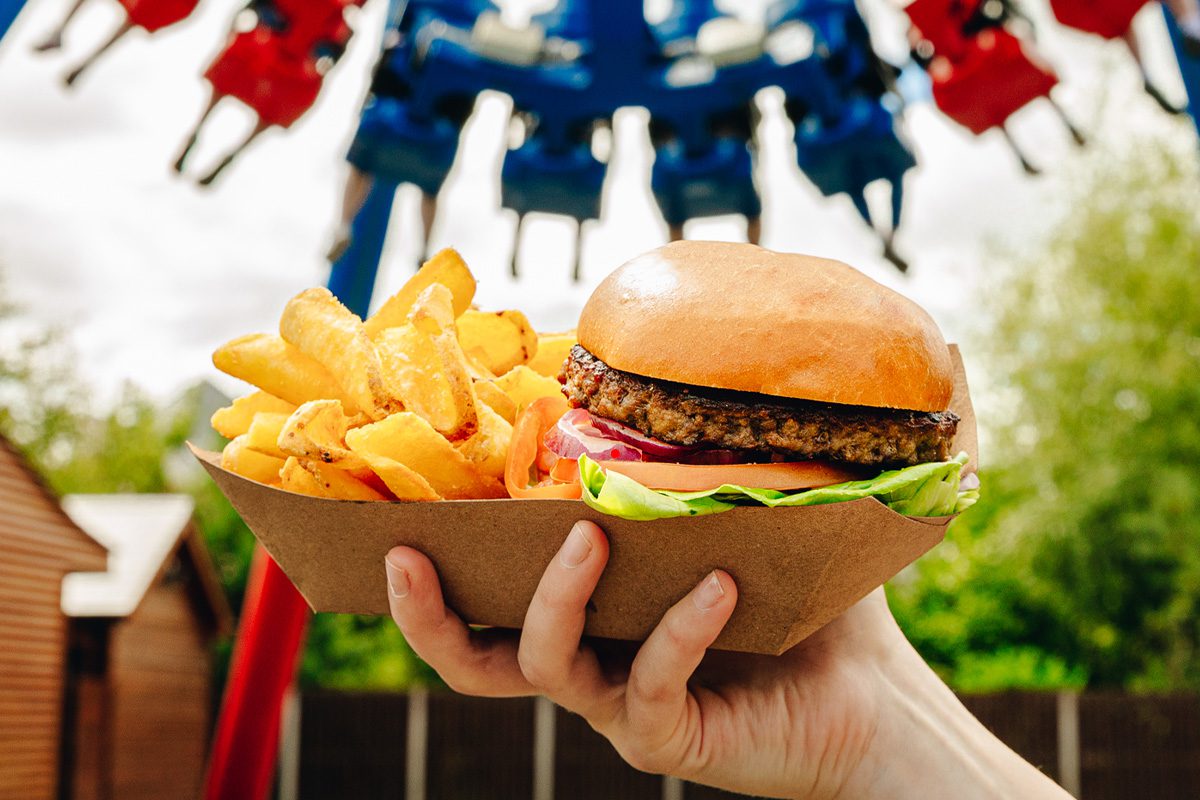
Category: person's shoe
<point>70,78</point>
<point>895,258</point>
<point>341,243</point>
<point>1191,44</point>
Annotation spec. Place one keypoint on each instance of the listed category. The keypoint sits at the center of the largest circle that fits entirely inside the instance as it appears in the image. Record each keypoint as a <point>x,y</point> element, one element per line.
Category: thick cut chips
<point>322,480</point>
<point>488,448</point>
<point>412,370</point>
<point>321,327</point>
<point>237,457</point>
<point>499,340</point>
<point>410,440</point>
<point>278,368</point>
<point>405,483</point>
<point>446,268</point>
<point>234,419</point>
<point>432,314</point>
<point>317,431</point>
<point>263,433</point>
<point>523,386</point>
<point>552,351</point>
<point>495,398</point>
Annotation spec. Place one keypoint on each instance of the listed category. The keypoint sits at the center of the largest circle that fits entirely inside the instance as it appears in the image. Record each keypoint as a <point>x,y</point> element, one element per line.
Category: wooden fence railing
<point>441,746</point>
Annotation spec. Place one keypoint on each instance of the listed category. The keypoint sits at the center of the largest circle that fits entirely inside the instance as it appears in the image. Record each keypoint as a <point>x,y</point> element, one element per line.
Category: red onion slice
<point>574,435</point>
<point>653,447</point>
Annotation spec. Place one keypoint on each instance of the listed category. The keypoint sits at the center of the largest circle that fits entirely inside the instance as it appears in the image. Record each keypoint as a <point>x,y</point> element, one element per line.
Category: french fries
<point>416,403</point>
<point>317,431</point>
<point>278,368</point>
<point>523,386</point>
<point>263,434</point>
<point>432,314</point>
<point>445,268</point>
<point>321,480</point>
<point>411,441</point>
<point>498,340</point>
<point>321,327</point>
<point>237,457</point>
<point>552,351</point>
<point>234,419</point>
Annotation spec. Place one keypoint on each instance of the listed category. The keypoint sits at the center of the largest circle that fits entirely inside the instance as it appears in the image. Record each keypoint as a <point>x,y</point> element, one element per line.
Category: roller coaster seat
<point>1107,18</point>
<point>154,15</point>
<point>255,69</point>
<point>567,182</point>
<point>718,181</point>
<point>854,151</point>
<point>391,145</point>
<point>992,81</point>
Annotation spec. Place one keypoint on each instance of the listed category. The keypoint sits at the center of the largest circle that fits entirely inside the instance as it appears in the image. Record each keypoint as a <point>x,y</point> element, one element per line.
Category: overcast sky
<point>149,273</point>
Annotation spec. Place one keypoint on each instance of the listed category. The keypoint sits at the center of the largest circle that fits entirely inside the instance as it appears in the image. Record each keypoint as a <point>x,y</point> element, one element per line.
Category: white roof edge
<point>140,531</point>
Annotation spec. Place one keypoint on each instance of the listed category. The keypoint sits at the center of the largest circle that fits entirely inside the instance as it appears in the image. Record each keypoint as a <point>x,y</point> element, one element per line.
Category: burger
<point>708,374</point>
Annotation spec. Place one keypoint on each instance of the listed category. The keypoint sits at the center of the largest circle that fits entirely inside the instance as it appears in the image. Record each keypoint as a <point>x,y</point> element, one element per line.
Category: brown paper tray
<point>796,568</point>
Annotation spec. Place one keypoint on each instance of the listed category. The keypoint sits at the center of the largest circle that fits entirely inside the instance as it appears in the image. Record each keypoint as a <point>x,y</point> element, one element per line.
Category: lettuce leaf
<point>933,489</point>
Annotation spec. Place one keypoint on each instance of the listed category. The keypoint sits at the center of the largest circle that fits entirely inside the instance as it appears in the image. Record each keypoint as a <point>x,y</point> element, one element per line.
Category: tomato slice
<point>701,477</point>
<point>528,458</point>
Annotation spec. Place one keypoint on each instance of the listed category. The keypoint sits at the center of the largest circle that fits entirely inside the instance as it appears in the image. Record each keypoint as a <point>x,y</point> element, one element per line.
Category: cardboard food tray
<point>796,568</point>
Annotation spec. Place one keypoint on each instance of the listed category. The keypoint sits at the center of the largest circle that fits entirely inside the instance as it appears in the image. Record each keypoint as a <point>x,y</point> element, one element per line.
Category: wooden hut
<point>39,544</point>
<point>139,700</point>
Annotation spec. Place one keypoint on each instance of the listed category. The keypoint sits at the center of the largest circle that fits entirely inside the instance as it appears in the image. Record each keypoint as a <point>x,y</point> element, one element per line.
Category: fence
<point>441,746</point>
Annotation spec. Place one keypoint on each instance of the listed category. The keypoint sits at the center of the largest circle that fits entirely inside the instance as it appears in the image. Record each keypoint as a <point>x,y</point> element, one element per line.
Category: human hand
<point>849,712</point>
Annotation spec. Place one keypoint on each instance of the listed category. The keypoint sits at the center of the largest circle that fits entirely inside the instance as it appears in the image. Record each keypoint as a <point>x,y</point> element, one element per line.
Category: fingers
<point>472,662</point>
<point>657,694</point>
<point>549,654</point>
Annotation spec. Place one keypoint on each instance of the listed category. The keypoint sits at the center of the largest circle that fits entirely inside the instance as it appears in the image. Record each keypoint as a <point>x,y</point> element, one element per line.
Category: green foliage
<point>1082,562</point>
<point>351,651</point>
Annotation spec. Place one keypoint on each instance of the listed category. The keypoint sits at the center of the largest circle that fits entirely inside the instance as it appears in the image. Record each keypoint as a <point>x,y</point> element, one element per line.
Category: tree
<point>1083,561</point>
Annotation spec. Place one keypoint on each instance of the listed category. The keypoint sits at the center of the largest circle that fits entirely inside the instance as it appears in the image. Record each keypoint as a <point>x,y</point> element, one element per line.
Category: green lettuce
<point>925,490</point>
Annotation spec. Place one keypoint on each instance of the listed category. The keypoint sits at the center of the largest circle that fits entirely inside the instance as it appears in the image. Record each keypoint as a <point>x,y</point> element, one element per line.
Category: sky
<point>148,273</point>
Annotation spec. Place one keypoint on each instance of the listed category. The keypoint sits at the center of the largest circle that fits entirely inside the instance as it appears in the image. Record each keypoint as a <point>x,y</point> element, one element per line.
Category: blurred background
<point>1063,607</point>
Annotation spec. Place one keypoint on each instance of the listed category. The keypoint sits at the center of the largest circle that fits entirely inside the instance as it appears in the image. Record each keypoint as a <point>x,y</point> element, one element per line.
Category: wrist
<point>927,745</point>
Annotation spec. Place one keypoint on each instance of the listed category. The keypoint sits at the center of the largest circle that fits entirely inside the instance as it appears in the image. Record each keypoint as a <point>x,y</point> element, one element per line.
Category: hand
<point>828,718</point>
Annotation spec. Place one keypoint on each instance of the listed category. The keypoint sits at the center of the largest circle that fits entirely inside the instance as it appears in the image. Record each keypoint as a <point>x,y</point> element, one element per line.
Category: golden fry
<point>317,431</point>
<point>446,268</point>
<point>263,434</point>
<point>552,351</point>
<point>234,419</point>
<point>237,457</point>
<point>488,448</point>
<point>278,368</point>
<point>410,440</point>
<point>412,370</point>
<point>321,480</point>
<point>432,314</point>
<point>320,326</point>
<point>523,386</point>
<point>401,481</point>
<point>499,340</point>
<point>495,398</point>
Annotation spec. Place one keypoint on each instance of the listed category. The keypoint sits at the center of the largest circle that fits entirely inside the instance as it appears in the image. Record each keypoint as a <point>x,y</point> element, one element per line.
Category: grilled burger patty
<point>800,429</point>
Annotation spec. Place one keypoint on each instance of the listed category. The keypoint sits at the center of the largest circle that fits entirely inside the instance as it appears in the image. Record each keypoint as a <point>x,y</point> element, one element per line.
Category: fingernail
<point>397,580</point>
<point>709,593</point>
<point>575,549</point>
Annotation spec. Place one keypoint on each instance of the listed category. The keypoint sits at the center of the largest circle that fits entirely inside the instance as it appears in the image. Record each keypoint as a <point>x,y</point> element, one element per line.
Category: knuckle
<point>679,636</point>
<point>649,691</point>
<point>534,670</point>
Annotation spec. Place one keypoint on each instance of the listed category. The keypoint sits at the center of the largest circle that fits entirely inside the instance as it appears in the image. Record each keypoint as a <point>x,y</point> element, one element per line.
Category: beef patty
<point>716,418</point>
